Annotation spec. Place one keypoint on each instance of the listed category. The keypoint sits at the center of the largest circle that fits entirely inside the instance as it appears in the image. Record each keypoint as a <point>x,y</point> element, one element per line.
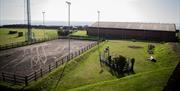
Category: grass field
<point>6,38</point>
<point>87,76</point>
<point>84,73</point>
<point>80,33</point>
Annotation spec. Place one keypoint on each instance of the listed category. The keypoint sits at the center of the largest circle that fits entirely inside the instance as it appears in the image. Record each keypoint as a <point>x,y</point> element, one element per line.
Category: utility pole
<point>43,18</point>
<point>69,3</point>
<point>44,23</point>
<point>29,22</point>
<point>99,39</point>
<point>98,31</point>
<point>24,11</point>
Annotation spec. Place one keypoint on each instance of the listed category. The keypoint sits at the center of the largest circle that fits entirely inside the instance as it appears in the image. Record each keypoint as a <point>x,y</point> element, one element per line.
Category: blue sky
<point>163,11</point>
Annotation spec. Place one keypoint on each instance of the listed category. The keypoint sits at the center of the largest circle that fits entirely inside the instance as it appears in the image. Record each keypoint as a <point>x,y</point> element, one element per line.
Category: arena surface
<point>27,59</point>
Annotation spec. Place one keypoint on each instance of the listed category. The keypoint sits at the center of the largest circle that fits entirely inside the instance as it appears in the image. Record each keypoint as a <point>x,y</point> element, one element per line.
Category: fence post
<point>41,72</point>
<point>3,76</point>
<point>14,78</point>
<point>62,61</point>
<point>76,53</point>
<point>87,47</point>
<point>26,80</point>
<point>56,64</point>
<point>79,51</point>
<point>49,68</point>
<point>83,49</point>
<point>67,57</point>
<point>35,78</point>
<point>71,56</point>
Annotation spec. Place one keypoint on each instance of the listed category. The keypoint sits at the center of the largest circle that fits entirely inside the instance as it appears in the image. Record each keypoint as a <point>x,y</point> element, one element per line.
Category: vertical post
<point>62,61</point>
<point>29,21</point>
<point>69,3</point>
<point>35,77</point>
<point>98,30</point>
<point>3,76</point>
<point>56,64</point>
<point>44,23</point>
<point>67,57</point>
<point>41,72</point>
<point>26,80</point>
<point>71,56</point>
<point>99,38</point>
<point>49,68</point>
<point>14,78</point>
<point>24,11</point>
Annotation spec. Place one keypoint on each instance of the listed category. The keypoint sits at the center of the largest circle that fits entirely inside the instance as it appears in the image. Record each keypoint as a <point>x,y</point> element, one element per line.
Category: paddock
<point>27,59</point>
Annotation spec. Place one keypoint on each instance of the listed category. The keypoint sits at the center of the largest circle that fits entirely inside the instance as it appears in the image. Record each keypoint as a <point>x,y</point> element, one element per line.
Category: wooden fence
<point>19,44</point>
<point>25,79</point>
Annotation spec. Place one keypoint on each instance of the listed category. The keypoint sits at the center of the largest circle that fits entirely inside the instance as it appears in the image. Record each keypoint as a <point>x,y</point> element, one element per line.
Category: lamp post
<point>98,28</point>
<point>99,38</point>
<point>24,11</point>
<point>44,23</point>
<point>43,18</point>
<point>29,22</point>
<point>69,3</point>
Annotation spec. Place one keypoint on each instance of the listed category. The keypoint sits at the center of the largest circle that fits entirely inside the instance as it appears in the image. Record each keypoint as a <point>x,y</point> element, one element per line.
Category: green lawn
<point>147,81</point>
<point>88,72</point>
<point>6,38</point>
<point>82,34</point>
<point>79,33</point>
<point>84,73</point>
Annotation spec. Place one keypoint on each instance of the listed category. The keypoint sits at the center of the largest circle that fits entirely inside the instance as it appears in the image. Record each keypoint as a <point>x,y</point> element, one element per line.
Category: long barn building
<point>132,30</point>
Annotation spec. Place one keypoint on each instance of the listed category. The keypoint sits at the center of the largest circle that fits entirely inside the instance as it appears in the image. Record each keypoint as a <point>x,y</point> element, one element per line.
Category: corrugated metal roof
<point>135,25</point>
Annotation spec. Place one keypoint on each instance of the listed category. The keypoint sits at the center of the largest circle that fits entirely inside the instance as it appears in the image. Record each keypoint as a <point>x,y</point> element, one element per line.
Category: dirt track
<point>25,60</point>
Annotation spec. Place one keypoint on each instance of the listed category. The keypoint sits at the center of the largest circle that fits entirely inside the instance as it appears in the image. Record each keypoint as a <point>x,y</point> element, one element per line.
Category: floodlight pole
<point>24,11</point>
<point>29,21</point>
<point>44,23</point>
<point>43,18</point>
<point>69,3</point>
<point>99,36</point>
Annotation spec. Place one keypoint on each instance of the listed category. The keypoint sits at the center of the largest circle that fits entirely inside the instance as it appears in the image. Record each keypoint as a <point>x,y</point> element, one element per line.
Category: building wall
<point>133,34</point>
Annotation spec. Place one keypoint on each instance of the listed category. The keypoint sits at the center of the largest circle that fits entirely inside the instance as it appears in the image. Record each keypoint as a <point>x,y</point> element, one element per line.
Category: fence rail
<point>25,79</point>
<point>19,44</point>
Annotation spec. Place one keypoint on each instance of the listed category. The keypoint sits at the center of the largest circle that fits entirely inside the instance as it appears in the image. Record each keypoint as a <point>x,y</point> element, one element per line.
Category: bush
<point>12,32</point>
<point>20,34</point>
<point>63,32</point>
<point>120,63</point>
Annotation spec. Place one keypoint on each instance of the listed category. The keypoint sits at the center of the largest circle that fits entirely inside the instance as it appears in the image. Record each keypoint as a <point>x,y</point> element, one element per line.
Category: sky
<point>159,11</point>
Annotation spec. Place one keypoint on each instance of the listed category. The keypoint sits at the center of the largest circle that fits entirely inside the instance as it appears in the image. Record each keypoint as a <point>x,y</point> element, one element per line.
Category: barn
<point>134,30</point>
